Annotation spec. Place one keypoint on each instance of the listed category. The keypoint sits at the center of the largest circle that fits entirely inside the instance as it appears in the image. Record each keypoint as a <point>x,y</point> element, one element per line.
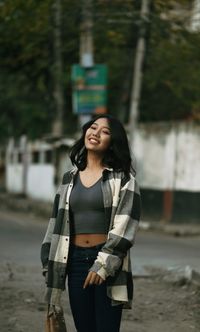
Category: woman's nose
<point>96,133</point>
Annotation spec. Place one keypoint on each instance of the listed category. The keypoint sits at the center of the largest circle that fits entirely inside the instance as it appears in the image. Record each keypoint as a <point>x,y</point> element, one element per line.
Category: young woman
<point>92,228</point>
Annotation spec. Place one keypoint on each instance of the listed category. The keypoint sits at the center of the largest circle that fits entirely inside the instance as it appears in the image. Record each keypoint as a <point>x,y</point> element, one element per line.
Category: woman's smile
<point>93,140</point>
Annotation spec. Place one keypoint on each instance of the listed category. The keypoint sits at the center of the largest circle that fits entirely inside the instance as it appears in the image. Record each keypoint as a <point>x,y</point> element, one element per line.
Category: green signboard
<point>89,89</point>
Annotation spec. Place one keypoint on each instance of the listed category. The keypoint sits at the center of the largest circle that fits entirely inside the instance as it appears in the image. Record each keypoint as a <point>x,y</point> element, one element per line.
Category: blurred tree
<point>171,73</point>
<point>27,65</point>
<point>171,70</point>
<point>25,77</point>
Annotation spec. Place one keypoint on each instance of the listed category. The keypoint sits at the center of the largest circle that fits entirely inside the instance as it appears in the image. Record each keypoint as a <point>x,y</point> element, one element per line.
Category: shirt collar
<point>105,172</point>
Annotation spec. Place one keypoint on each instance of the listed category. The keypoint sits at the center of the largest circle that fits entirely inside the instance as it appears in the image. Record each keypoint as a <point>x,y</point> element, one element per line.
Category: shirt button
<point>66,239</point>
<point>64,257</point>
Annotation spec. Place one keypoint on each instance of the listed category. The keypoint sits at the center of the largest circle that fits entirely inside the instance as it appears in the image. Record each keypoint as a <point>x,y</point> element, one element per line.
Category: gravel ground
<point>159,305</point>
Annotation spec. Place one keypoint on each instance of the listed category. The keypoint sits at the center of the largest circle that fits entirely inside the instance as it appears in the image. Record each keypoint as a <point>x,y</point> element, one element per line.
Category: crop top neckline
<point>94,184</point>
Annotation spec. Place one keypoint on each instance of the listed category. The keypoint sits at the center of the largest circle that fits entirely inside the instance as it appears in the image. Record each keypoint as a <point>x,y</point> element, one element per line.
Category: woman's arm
<point>122,235</point>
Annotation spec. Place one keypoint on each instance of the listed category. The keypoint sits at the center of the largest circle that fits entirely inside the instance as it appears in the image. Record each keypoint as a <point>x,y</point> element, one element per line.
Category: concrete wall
<point>14,178</point>
<point>14,169</point>
<point>36,168</point>
<point>40,182</point>
<point>168,156</point>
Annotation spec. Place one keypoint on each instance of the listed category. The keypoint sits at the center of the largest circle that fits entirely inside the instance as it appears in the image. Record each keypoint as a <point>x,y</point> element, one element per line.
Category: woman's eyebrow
<point>103,126</point>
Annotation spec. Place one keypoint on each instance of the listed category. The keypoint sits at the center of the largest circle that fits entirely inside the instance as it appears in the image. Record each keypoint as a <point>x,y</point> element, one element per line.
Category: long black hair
<point>117,156</point>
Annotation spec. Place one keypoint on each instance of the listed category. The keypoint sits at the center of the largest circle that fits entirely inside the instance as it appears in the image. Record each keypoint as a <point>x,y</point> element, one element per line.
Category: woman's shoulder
<point>67,176</point>
<point>123,177</point>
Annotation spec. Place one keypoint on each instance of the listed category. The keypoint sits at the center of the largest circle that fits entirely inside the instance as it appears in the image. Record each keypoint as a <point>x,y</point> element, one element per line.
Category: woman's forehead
<point>102,122</point>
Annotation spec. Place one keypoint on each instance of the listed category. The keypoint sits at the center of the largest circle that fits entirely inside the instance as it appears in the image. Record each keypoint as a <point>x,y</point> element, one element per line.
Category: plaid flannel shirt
<point>122,208</point>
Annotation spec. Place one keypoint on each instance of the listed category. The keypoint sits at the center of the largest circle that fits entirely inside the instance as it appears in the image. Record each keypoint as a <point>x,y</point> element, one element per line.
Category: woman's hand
<point>93,279</point>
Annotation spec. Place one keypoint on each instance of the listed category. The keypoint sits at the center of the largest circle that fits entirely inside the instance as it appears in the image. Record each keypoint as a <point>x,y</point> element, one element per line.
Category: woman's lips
<point>93,140</point>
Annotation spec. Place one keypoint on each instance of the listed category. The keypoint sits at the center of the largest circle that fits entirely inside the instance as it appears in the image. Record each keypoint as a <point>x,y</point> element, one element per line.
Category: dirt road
<point>159,305</point>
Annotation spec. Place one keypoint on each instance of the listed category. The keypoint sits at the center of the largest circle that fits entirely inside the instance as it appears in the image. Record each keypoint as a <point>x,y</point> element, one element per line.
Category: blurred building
<point>36,168</point>
<point>168,164</point>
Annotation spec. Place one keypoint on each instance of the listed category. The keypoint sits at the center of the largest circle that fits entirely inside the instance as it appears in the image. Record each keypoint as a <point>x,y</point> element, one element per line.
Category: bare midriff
<point>88,240</point>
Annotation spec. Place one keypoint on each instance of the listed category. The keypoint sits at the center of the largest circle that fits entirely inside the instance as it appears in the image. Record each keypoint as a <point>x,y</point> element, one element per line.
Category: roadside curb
<point>171,229</point>
<point>20,203</point>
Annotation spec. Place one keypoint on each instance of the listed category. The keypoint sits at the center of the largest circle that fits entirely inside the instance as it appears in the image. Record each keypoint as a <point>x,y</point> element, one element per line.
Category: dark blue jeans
<point>91,308</point>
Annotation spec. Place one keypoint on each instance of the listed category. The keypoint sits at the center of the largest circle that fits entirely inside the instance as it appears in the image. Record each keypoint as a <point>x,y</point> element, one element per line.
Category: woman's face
<point>98,136</point>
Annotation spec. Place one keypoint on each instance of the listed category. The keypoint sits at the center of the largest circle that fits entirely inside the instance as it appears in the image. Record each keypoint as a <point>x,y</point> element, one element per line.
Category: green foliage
<point>24,80</point>
<point>172,74</point>
<point>171,70</point>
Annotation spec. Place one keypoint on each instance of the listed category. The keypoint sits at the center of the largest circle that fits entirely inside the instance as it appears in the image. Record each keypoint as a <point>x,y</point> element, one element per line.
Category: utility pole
<point>137,76</point>
<point>57,129</point>
<point>86,37</point>
<point>86,44</point>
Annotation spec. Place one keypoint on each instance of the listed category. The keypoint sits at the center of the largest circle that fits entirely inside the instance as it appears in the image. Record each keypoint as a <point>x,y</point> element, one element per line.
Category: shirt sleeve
<point>44,254</point>
<point>121,237</point>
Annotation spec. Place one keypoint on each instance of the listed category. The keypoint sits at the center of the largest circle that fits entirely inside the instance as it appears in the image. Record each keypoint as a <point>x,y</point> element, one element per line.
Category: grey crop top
<point>87,209</point>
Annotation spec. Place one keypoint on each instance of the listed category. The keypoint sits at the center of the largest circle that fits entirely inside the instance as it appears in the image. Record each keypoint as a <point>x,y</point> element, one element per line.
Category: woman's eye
<point>106,132</point>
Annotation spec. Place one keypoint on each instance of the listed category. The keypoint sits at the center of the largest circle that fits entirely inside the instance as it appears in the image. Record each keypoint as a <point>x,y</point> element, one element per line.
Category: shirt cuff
<point>100,270</point>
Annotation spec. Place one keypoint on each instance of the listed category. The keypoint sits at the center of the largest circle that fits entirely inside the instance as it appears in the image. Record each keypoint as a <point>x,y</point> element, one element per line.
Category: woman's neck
<point>94,161</point>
